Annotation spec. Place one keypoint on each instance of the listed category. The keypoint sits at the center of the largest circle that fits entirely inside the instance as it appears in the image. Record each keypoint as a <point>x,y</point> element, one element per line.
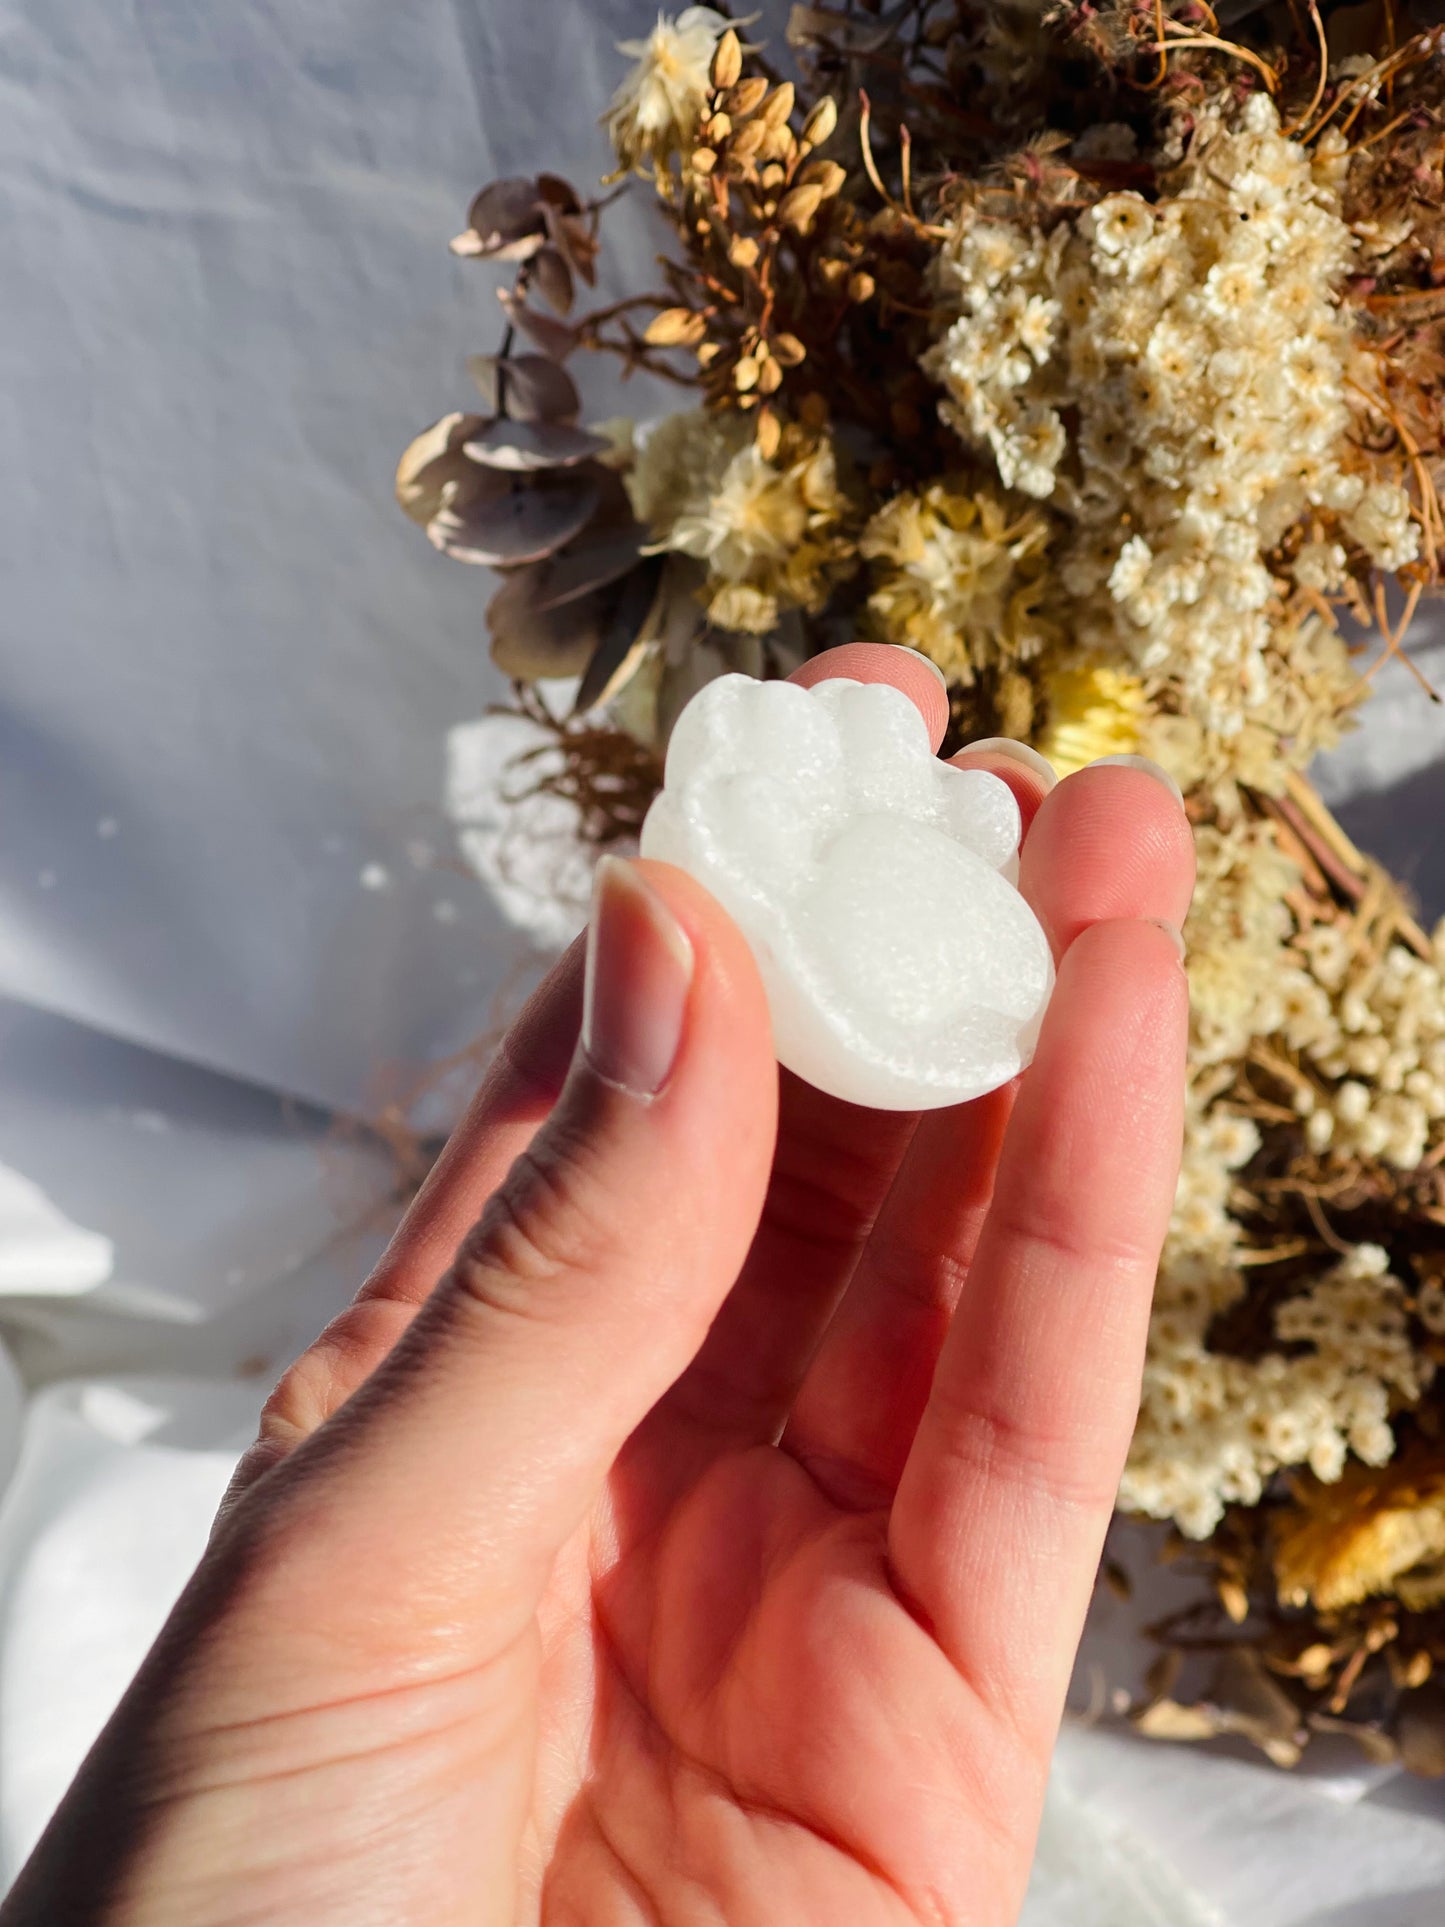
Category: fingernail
<point>1149,767</point>
<point>639,969</point>
<point>928,663</point>
<point>1018,752</point>
<point>1173,933</point>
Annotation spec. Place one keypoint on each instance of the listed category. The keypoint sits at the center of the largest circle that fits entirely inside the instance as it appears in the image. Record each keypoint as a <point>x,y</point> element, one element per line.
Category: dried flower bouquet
<point>1095,348</point>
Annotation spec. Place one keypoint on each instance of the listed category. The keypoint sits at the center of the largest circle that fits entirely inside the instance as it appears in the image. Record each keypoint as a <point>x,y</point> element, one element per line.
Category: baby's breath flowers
<point>1199,343</point>
<point>1213,1428</point>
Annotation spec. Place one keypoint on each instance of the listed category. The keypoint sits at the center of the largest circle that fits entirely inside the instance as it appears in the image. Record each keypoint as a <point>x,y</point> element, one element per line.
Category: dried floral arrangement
<point>1096,349</point>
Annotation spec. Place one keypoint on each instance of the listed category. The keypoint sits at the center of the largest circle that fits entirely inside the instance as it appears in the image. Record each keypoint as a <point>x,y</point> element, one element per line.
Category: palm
<point>764,1715</point>
<point>771,1731</point>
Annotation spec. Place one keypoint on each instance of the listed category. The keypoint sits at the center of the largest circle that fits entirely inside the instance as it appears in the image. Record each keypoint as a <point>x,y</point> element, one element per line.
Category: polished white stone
<point>874,884</point>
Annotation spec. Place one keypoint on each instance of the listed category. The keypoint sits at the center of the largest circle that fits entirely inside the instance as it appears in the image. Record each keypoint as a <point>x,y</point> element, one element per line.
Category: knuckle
<point>551,1220</point>
<point>1056,1466</point>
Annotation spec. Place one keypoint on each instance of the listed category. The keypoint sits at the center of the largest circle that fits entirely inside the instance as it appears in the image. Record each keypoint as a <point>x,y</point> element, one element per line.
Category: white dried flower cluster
<point>1213,1429</point>
<point>1237,932</point>
<point>1312,689</point>
<point>1366,1032</point>
<point>1378,1037</point>
<point>997,360</point>
<point>1200,346</point>
<point>1217,1143</point>
<point>1363,1036</point>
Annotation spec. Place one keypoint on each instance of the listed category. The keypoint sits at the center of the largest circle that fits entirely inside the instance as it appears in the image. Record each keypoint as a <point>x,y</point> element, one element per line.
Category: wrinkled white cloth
<point>239,703</point>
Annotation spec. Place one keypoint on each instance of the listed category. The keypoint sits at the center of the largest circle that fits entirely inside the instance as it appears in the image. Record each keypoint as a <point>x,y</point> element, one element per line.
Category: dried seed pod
<point>770,377</point>
<point>745,374</point>
<point>522,448</point>
<point>778,106</point>
<point>861,286</point>
<point>704,160</point>
<point>529,388</point>
<point>779,144</point>
<point>769,434</point>
<point>727,62</point>
<point>743,252</point>
<point>748,95</point>
<point>716,130</point>
<point>788,349</point>
<point>773,175</point>
<point>675,328</point>
<point>821,122</point>
<point>825,175</point>
<point>799,205</point>
<point>748,141</point>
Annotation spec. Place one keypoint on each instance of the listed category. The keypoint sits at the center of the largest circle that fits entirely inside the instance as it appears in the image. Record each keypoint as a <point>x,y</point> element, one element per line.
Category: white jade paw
<point>874,884</point>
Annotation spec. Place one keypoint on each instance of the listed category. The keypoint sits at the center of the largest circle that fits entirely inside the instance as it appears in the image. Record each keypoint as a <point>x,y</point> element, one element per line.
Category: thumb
<point>474,1451</point>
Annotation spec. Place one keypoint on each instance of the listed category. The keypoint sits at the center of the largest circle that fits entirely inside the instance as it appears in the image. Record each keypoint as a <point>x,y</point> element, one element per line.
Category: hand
<point>693,1519</point>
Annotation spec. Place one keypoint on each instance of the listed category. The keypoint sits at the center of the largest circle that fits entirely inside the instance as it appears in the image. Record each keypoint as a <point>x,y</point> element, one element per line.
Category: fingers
<point>1026,772</point>
<point>832,1170</point>
<point>887,662</point>
<point>477,1447</point>
<point>1107,843</point>
<point>1000,1514</point>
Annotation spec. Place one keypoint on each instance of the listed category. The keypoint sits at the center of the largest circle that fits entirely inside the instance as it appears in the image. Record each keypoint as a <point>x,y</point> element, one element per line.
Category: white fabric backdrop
<point>230,897</point>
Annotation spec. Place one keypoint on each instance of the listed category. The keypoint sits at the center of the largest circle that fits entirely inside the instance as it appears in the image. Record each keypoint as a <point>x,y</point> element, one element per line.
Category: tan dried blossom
<point>774,534</point>
<point>658,108</point>
<point>962,574</point>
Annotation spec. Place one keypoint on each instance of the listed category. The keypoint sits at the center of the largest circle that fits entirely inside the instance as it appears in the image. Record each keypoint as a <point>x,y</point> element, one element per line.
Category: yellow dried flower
<point>1362,1534</point>
<point>1094,710</point>
<point>962,574</point>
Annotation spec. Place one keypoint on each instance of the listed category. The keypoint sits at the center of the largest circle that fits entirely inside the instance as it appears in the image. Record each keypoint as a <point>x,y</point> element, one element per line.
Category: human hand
<point>694,1517</point>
